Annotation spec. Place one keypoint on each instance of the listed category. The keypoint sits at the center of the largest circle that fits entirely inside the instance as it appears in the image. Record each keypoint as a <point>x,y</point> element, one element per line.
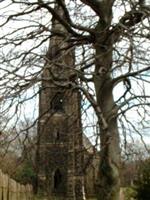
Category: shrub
<point>142,184</point>
<point>25,173</point>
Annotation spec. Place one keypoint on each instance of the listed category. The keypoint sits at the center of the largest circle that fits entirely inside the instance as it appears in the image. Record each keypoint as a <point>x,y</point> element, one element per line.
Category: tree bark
<point>109,182</point>
<point>109,179</point>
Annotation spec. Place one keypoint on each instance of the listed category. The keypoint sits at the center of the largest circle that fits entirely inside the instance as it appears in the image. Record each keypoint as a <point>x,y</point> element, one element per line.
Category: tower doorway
<point>57,179</point>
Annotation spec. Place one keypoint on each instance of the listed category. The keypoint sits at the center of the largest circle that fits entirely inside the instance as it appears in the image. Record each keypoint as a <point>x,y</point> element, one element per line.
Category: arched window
<point>57,179</point>
<point>57,103</point>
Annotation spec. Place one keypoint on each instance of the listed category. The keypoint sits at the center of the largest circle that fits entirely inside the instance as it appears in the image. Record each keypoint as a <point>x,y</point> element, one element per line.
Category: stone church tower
<point>60,147</point>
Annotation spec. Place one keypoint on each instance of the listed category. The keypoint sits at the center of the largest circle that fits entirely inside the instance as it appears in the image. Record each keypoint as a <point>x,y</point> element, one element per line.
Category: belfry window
<point>57,103</point>
<point>57,179</point>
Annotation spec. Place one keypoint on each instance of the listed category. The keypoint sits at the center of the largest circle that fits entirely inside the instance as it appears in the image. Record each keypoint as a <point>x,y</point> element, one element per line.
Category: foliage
<point>25,173</point>
<point>129,193</point>
<point>142,184</point>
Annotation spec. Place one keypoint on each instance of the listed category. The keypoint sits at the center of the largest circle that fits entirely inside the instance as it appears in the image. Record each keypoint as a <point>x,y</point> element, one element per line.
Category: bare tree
<point>111,40</point>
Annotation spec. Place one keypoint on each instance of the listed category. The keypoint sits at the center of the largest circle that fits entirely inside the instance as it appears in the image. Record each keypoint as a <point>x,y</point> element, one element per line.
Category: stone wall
<point>11,190</point>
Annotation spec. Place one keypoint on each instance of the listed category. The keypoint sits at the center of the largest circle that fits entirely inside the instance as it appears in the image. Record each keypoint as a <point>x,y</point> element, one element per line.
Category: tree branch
<point>98,6</point>
<point>129,20</point>
<point>132,74</point>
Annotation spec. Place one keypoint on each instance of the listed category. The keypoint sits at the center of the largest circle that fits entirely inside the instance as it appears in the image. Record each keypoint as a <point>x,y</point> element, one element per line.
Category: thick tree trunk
<point>110,150</point>
<point>109,181</point>
<point>109,165</point>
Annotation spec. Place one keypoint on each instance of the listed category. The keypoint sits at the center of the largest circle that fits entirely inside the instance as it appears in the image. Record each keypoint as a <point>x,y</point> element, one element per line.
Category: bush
<point>142,184</point>
<point>25,173</point>
<point>129,193</point>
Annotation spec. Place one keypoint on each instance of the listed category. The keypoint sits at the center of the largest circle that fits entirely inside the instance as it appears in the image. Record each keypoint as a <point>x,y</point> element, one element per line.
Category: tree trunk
<point>110,151</point>
<point>109,181</point>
